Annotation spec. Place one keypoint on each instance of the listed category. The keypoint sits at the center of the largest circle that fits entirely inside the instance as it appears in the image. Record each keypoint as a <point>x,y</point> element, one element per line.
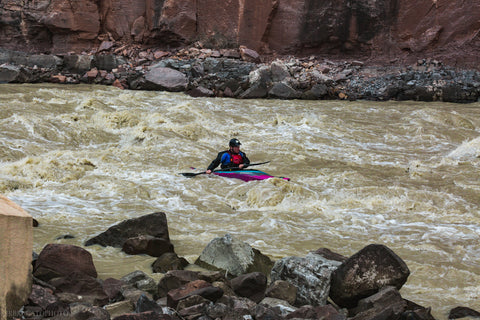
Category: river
<point>404,174</point>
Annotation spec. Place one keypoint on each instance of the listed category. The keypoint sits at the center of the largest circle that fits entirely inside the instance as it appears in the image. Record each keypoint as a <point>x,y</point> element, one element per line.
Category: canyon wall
<point>381,30</point>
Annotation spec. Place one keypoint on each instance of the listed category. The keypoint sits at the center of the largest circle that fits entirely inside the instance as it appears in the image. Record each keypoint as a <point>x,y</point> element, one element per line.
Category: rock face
<point>385,30</point>
<point>16,239</point>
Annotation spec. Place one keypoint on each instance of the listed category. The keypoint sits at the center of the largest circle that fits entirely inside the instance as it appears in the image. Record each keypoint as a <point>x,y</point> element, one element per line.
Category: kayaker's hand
<point>241,166</point>
<point>208,171</point>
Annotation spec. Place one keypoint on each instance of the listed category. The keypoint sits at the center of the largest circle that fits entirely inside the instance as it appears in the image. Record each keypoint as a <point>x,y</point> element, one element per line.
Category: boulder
<point>9,73</point>
<point>84,288</point>
<point>169,261</point>
<point>463,312</point>
<point>78,63</point>
<point>145,304</point>
<point>327,312</point>
<point>233,256</point>
<point>141,280</point>
<point>196,287</point>
<point>387,302</point>
<point>149,315</point>
<point>161,78</point>
<point>118,308</point>
<point>365,273</point>
<point>113,288</point>
<point>57,260</point>
<point>250,285</point>
<point>16,238</point>
<point>44,61</point>
<point>86,311</point>
<point>311,275</point>
<point>282,90</point>
<point>154,224</point>
<point>175,279</point>
<point>42,297</point>
<point>283,290</point>
<point>279,71</point>
<point>146,244</point>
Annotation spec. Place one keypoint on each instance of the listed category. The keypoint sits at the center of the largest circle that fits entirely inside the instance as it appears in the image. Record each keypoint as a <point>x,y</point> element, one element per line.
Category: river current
<point>404,174</point>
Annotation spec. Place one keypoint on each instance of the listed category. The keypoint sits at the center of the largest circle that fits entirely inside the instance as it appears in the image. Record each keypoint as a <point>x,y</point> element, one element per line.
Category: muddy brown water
<point>405,174</point>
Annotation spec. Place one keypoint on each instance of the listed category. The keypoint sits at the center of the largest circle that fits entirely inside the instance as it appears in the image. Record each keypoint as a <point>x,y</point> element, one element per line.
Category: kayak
<point>246,175</point>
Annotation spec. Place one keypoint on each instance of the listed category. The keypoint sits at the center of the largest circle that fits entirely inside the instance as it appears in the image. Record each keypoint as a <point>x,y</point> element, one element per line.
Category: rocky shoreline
<point>242,73</point>
<point>235,281</point>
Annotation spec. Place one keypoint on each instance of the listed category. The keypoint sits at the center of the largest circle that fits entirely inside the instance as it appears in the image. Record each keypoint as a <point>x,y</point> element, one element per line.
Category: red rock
<point>118,84</point>
<point>61,260</point>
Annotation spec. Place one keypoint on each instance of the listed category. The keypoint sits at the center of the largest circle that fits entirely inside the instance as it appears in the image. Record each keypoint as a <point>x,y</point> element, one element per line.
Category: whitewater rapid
<point>405,174</point>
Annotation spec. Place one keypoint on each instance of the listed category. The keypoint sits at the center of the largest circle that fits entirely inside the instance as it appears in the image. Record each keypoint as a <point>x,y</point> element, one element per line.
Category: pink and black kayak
<point>246,175</point>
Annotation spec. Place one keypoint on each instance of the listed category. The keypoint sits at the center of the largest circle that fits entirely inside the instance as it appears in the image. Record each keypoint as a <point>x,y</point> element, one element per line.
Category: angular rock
<point>145,304</point>
<point>85,311</point>
<point>42,297</point>
<point>189,289</point>
<point>85,287</point>
<point>281,306</point>
<point>57,260</point>
<point>154,224</point>
<point>310,275</point>
<point>146,244</point>
<point>282,290</point>
<point>249,55</point>
<point>250,285</point>
<point>141,280</point>
<point>282,90</point>
<point>462,312</point>
<point>200,92</point>
<point>149,315</point>
<point>11,74</point>
<point>113,288</point>
<point>191,301</point>
<point>161,78</point>
<point>327,312</point>
<point>77,63</point>
<point>108,61</point>
<point>169,261</point>
<point>387,302</point>
<point>233,256</point>
<point>118,308</point>
<point>279,71</point>
<point>175,279</point>
<point>365,273</point>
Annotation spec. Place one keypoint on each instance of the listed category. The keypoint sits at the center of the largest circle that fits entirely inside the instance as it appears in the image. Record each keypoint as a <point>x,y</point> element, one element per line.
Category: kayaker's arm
<point>215,163</point>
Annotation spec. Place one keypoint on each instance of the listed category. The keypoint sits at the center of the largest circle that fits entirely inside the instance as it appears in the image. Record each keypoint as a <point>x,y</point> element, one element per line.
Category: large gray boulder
<point>161,78</point>
<point>365,273</point>
<point>234,257</point>
<point>311,275</point>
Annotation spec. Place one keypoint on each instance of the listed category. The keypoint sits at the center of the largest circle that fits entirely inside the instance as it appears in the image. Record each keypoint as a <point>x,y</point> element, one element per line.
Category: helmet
<point>234,143</point>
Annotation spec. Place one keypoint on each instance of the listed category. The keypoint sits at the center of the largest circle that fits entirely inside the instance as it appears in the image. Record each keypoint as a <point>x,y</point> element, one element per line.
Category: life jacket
<point>236,158</point>
<point>230,157</point>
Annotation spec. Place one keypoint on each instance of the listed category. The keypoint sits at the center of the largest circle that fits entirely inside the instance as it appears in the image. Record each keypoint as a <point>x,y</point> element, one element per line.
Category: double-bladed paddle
<point>192,174</point>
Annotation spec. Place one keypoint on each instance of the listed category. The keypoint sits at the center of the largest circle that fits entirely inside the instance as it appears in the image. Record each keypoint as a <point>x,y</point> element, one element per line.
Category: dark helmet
<point>234,143</point>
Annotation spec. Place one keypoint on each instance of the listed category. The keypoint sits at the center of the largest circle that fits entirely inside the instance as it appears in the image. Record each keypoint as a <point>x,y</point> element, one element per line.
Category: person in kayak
<point>232,158</point>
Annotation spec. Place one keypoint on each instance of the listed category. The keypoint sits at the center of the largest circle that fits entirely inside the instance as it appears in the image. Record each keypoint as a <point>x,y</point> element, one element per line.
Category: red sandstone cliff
<point>379,30</point>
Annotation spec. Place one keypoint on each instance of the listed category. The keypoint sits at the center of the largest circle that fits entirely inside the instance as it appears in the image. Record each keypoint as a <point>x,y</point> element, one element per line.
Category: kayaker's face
<point>236,149</point>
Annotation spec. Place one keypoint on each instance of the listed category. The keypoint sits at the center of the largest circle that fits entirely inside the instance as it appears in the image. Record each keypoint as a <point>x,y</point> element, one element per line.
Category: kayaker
<point>231,158</point>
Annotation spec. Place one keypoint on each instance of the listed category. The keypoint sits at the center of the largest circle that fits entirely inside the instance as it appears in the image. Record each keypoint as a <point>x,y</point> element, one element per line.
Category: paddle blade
<point>190,174</point>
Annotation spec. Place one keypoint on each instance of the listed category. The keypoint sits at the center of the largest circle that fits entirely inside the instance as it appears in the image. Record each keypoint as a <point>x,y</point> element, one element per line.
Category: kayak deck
<point>246,175</point>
